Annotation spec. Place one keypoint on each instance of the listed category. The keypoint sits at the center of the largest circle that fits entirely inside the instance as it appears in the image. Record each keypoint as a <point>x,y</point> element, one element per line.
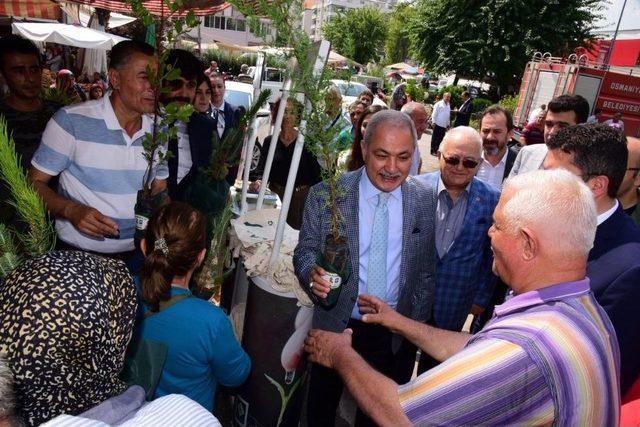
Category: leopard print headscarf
<point>65,321</point>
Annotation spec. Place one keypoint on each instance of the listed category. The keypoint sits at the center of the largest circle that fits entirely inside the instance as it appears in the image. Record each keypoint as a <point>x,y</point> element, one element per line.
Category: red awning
<point>199,7</point>
<point>45,9</point>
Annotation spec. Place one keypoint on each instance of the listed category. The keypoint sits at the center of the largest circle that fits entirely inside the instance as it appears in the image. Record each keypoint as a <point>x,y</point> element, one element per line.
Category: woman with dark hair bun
<point>202,350</point>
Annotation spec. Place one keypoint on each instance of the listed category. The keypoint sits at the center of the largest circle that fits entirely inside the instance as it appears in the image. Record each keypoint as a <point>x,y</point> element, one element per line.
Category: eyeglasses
<point>454,161</point>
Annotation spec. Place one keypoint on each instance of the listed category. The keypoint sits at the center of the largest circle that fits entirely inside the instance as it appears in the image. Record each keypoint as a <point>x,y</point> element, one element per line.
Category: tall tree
<point>397,44</point>
<point>357,34</point>
<point>495,38</point>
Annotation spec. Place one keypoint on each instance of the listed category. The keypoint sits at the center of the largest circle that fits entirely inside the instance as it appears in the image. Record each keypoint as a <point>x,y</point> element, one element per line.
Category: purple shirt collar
<point>541,296</point>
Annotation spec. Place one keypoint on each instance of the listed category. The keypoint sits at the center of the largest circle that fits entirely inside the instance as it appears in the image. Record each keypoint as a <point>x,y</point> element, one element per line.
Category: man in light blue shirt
<point>388,224</point>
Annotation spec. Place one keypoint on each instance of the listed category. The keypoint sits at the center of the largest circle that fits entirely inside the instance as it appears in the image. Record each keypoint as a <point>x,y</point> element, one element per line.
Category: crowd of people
<point>536,242</point>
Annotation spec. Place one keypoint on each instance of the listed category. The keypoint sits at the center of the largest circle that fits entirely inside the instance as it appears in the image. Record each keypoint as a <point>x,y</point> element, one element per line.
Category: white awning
<point>70,35</point>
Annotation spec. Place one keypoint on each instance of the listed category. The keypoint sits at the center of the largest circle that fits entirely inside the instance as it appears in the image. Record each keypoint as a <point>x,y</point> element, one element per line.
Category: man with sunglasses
<point>464,280</point>
<point>598,154</point>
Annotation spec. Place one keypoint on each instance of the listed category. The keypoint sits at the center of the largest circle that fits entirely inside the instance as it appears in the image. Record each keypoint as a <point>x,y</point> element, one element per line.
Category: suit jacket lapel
<point>349,210</point>
<point>407,229</point>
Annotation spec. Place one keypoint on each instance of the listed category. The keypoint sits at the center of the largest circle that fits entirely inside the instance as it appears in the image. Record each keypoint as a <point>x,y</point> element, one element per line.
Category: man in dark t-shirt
<point>23,109</point>
<point>25,113</point>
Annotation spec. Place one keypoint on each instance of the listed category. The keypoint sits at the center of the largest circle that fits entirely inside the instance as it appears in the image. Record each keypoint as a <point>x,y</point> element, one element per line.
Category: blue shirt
<point>202,350</point>
<point>367,200</point>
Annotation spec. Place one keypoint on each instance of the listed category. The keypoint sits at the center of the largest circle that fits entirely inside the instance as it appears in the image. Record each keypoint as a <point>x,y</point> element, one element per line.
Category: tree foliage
<point>357,34</point>
<point>398,42</point>
<point>496,38</point>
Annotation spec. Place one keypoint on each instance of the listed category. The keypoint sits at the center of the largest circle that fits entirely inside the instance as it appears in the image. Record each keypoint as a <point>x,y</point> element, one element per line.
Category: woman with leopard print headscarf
<point>65,321</point>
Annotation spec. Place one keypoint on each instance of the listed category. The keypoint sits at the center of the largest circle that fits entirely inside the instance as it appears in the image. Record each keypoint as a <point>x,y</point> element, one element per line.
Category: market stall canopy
<point>43,9</point>
<point>70,35</point>
<point>199,7</point>
<point>336,58</point>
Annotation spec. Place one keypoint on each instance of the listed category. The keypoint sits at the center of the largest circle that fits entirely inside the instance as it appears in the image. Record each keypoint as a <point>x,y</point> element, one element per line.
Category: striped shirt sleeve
<point>489,382</point>
<point>57,145</point>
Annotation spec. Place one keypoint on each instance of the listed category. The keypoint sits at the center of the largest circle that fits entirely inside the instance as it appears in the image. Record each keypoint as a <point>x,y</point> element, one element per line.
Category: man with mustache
<point>96,149</point>
<point>389,227</point>
<point>496,128</point>
<point>181,92</point>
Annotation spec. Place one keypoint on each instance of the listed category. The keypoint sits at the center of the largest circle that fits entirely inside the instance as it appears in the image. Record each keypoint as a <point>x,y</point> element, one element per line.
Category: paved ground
<point>429,162</point>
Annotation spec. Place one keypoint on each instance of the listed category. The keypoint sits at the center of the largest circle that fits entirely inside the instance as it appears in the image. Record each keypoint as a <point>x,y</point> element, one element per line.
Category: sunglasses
<point>454,161</point>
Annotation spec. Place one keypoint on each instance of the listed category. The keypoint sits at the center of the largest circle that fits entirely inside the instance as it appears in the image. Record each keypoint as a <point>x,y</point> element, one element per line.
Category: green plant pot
<point>335,261</point>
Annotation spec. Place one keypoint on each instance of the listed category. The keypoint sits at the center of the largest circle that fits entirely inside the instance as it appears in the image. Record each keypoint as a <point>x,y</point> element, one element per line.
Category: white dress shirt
<point>441,115</point>
<point>220,111</point>
<point>606,215</point>
<point>184,151</point>
<point>490,174</point>
<point>367,200</point>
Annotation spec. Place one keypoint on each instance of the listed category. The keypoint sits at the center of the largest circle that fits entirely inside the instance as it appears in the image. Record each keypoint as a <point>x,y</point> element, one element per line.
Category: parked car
<point>241,95</point>
<point>273,79</point>
<point>350,92</point>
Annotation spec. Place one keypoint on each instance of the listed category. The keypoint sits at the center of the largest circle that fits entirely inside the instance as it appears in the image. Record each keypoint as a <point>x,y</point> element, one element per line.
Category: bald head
<point>464,136</point>
<point>419,116</point>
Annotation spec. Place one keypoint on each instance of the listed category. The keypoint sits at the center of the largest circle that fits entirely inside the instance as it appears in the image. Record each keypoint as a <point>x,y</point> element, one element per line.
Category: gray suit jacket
<point>529,158</point>
<point>417,267</point>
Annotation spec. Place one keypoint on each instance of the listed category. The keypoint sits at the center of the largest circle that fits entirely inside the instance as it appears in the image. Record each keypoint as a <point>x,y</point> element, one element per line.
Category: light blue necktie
<point>377,268</point>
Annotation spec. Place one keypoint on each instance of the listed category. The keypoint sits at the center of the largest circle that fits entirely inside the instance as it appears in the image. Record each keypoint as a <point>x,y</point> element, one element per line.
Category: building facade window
<point>224,23</point>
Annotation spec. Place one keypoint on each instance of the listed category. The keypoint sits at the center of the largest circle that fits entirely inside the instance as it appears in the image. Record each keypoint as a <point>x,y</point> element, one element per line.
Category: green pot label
<point>334,280</point>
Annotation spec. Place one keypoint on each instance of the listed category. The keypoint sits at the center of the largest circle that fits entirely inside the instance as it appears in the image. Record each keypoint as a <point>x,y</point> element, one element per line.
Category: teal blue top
<point>202,350</point>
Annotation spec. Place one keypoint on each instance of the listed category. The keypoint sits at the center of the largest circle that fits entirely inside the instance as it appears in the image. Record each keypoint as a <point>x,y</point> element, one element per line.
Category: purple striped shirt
<point>547,357</point>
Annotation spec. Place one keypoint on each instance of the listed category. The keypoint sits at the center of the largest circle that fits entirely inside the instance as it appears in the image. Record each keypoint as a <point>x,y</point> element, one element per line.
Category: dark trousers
<point>373,343</point>
<point>436,138</point>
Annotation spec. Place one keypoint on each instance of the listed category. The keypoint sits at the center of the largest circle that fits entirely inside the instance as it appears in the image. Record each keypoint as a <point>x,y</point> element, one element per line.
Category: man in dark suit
<point>191,148</point>
<point>496,129</point>
<point>463,115</point>
<point>389,227</point>
<point>464,278</point>
<point>598,154</point>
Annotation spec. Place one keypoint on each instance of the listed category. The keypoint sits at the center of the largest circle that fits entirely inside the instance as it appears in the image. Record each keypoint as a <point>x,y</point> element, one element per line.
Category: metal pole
<point>274,142</point>
<point>615,36</point>
<point>253,135</point>
<point>321,59</point>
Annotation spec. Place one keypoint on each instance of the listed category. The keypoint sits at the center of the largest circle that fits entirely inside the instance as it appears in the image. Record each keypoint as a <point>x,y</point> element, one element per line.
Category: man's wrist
<point>341,357</point>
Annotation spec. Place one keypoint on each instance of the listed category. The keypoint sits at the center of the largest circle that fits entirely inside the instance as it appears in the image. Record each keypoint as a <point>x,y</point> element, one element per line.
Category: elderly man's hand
<point>374,310</point>
<point>324,347</point>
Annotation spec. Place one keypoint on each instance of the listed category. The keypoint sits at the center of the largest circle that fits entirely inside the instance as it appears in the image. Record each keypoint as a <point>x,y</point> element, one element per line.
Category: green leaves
<point>358,34</point>
<point>39,236</point>
<point>496,38</point>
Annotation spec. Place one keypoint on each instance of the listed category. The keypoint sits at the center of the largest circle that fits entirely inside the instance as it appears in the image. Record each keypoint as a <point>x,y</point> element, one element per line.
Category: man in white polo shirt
<point>96,149</point>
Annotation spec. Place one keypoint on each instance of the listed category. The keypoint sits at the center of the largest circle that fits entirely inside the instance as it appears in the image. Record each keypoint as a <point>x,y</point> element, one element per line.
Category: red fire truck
<point>611,89</point>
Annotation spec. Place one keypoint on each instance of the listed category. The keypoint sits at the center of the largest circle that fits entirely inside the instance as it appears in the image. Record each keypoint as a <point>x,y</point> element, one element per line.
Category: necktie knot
<point>383,198</point>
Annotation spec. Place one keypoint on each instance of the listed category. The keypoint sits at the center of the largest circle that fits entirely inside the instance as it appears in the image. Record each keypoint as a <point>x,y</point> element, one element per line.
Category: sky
<point>630,19</point>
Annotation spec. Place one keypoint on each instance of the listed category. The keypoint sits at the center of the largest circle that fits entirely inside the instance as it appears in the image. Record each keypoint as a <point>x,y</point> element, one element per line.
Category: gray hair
<point>553,199</point>
<point>468,133</point>
<point>389,119</point>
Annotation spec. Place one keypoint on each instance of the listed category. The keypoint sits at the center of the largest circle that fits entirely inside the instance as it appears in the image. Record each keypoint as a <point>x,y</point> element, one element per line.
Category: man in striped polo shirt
<point>549,355</point>
<point>96,149</point>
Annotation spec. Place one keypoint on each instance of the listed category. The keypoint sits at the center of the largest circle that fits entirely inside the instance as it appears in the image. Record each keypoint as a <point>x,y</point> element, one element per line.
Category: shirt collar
<point>218,107</point>
<point>606,215</point>
<point>502,160</point>
<point>442,187</point>
<point>111,120</point>
<point>544,295</point>
<point>369,191</point>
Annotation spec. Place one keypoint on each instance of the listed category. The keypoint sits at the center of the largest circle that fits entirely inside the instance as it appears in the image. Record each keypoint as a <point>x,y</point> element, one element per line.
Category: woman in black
<point>309,172</point>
